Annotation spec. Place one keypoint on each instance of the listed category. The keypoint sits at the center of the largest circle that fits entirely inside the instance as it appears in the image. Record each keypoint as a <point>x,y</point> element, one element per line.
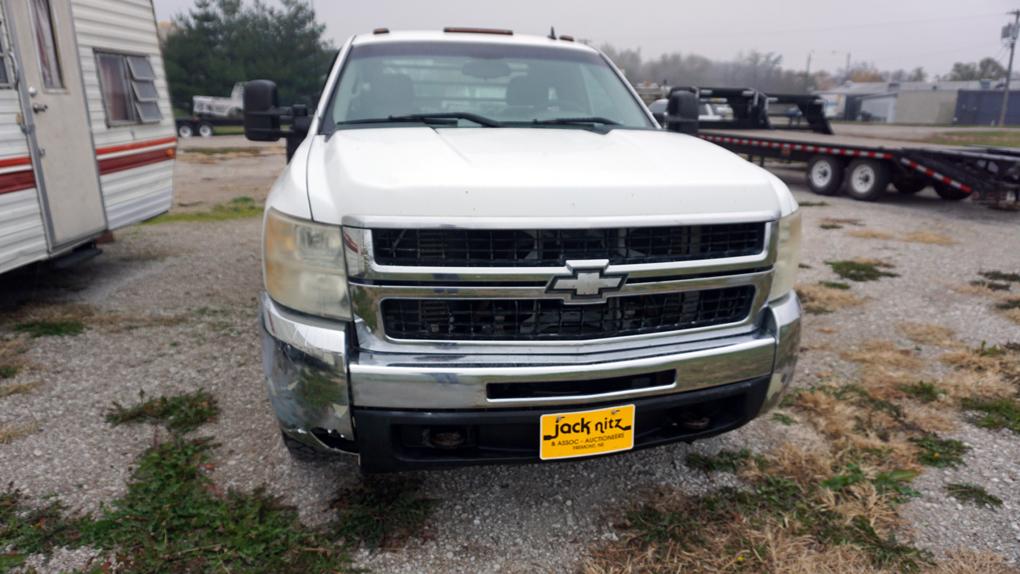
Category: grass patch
<point>813,203</point>
<point>180,413</point>
<point>26,529</point>
<point>1008,304</point>
<point>828,226</point>
<point>995,413</point>
<point>928,334</point>
<point>18,389</point>
<point>871,234</point>
<point>922,391</point>
<point>46,328</point>
<point>782,523</point>
<point>821,299</point>
<point>990,285</point>
<point>835,285</point>
<point>8,371</point>
<point>382,511</point>
<point>11,433</point>
<point>223,150</point>
<point>723,461</point>
<point>928,238</point>
<point>990,138</point>
<point>784,419</point>
<point>938,452</point>
<point>861,270</point>
<point>1001,276</point>
<point>237,208</point>
<point>973,494</point>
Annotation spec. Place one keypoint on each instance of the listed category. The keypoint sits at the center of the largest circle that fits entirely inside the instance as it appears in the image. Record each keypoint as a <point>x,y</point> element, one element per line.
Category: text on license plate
<point>586,433</point>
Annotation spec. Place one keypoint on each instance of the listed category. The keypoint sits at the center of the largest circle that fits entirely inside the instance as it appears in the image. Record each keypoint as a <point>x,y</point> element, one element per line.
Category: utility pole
<point>807,71</point>
<point>848,65</point>
<point>1009,34</point>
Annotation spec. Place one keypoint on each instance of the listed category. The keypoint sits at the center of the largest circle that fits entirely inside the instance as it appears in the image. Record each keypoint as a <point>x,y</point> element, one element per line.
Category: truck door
<point>57,119</point>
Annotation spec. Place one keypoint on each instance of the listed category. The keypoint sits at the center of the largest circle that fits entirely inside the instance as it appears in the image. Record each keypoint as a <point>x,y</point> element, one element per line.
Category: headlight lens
<point>303,263</point>
<point>788,258</point>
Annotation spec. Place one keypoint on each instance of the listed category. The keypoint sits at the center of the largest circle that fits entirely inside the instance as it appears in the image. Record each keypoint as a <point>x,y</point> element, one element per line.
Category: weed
<point>382,511</point>
<point>723,461</point>
<point>813,203</point>
<point>237,208</point>
<point>974,494</point>
<point>828,226</point>
<point>784,419</point>
<point>180,413</point>
<point>1001,276</point>
<point>996,413</point>
<point>922,391</point>
<point>803,266</point>
<point>224,150</point>
<point>840,221</point>
<point>896,482</point>
<point>861,270</point>
<point>26,529</point>
<point>8,371</point>
<point>942,453</point>
<point>171,519</point>
<point>990,285</point>
<point>835,285</point>
<point>1008,304</point>
<point>45,328</point>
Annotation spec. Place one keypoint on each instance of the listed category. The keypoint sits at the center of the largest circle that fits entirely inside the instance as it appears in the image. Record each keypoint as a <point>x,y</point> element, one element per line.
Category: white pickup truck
<point>484,250</point>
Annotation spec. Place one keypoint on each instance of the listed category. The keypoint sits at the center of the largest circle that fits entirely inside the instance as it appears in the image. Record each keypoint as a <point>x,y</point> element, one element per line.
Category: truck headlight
<point>788,256</point>
<point>303,264</point>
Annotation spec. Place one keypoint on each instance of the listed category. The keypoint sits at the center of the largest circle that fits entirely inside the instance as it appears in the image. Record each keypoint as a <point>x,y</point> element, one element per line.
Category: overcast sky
<point>889,33</point>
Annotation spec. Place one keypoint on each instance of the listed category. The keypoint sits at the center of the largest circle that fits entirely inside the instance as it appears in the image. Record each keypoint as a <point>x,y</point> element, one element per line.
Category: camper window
<point>128,84</point>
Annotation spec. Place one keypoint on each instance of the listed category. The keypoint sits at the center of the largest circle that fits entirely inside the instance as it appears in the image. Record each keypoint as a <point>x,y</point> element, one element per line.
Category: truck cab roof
<point>467,35</point>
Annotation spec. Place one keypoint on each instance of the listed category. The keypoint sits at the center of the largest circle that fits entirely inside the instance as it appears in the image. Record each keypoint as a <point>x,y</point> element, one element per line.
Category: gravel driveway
<point>171,308</point>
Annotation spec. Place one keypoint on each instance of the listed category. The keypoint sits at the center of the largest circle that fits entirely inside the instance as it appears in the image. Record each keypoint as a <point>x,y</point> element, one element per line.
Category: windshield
<point>507,83</point>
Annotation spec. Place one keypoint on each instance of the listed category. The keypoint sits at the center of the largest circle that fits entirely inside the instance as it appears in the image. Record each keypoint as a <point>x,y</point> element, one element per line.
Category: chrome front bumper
<point>314,378</point>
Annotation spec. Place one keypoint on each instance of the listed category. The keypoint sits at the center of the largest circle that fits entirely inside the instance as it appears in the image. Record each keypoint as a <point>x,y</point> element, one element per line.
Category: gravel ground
<point>183,297</point>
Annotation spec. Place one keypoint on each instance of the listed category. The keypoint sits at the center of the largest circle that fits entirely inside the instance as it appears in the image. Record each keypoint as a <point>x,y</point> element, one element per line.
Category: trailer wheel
<point>948,192</point>
<point>185,131</point>
<point>909,184</point>
<point>867,179</point>
<point>205,130</point>
<point>824,175</point>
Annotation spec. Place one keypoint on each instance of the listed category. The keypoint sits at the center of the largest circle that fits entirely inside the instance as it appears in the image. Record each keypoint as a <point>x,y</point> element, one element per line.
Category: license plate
<point>586,433</point>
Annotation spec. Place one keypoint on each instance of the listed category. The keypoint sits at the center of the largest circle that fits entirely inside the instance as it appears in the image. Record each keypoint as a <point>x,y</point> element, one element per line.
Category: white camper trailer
<point>87,138</point>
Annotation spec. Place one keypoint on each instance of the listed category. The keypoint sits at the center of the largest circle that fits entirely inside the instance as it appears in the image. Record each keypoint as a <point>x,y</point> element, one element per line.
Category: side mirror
<point>682,112</point>
<point>262,111</point>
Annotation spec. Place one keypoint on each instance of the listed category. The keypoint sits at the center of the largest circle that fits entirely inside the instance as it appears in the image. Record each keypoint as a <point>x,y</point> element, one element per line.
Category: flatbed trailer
<point>862,168</point>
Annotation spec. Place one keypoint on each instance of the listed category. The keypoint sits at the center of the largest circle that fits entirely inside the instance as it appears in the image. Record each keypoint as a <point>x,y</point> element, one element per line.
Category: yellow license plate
<point>587,433</point>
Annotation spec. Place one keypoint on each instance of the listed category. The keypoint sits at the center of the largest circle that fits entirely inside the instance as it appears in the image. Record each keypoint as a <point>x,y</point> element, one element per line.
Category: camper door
<point>57,119</point>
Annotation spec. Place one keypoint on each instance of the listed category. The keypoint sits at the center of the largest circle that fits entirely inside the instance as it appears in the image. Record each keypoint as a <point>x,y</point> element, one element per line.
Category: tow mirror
<point>682,112</point>
<point>262,111</point>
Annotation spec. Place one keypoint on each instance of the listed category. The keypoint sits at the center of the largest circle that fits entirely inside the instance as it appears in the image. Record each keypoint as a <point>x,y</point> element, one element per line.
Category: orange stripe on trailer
<point>125,162</point>
<point>135,145</point>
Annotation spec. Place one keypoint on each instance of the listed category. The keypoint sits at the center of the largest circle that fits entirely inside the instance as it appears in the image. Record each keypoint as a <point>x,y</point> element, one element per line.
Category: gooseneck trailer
<point>862,168</point>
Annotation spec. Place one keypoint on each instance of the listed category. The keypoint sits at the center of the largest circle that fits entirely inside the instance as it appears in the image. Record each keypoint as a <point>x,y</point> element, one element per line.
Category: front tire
<point>867,179</point>
<point>824,175</point>
<point>948,192</point>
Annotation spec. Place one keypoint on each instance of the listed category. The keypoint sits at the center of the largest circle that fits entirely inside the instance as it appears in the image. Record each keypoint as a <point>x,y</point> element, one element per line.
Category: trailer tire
<point>205,130</point>
<point>867,179</point>
<point>824,174</point>
<point>185,131</point>
<point>909,184</point>
<point>948,192</point>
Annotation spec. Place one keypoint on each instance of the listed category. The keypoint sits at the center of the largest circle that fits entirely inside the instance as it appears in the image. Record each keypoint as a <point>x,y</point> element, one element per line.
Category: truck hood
<point>536,173</point>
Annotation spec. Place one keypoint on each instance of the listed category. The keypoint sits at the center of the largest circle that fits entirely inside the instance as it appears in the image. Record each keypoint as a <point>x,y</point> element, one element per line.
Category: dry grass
<point>89,317</point>
<point>928,237</point>
<point>1012,315</point>
<point>12,432</point>
<point>966,561</point>
<point>928,334</point>
<point>820,299</point>
<point>871,234</point>
<point>18,389</point>
<point>884,354</point>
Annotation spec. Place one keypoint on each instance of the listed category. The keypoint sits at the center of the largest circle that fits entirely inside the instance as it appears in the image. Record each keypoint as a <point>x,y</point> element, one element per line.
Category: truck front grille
<point>554,247</point>
<point>552,319</point>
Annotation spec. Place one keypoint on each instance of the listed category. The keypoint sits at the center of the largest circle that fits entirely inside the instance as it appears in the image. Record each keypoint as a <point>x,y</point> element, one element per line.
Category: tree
<point>220,42</point>
<point>986,69</point>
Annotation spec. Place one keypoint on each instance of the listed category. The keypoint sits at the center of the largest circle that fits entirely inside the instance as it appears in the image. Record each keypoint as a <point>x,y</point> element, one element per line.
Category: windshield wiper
<point>446,118</point>
<point>597,120</point>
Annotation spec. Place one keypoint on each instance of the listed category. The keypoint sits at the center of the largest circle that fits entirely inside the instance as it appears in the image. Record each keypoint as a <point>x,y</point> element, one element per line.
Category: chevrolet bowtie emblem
<point>588,281</point>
